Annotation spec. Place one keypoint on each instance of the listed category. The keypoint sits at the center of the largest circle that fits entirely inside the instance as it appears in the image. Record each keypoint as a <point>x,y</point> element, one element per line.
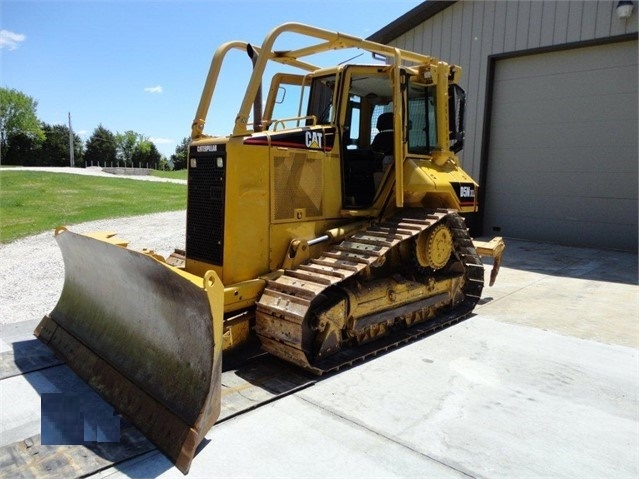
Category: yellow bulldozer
<point>329,225</point>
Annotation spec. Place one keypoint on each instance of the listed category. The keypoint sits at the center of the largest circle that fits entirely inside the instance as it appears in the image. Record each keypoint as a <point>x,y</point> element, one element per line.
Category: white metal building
<point>551,122</point>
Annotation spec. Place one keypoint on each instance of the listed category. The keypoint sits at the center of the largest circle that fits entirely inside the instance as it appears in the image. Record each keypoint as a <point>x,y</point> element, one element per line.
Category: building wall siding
<point>469,32</point>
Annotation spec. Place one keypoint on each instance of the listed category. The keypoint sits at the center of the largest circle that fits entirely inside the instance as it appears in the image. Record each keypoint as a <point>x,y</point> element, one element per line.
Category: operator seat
<point>382,147</point>
<point>383,141</point>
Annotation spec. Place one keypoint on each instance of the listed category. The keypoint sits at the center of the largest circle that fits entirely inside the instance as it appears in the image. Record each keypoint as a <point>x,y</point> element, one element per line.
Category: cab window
<point>422,119</point>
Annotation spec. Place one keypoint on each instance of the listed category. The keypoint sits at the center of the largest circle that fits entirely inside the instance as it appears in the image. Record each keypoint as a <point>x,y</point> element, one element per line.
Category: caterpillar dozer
<point>329,225</point>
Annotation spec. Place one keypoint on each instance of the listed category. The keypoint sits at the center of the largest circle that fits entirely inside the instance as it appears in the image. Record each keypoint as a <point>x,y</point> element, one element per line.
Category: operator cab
<point>359,125</point>
<point>367,134</point>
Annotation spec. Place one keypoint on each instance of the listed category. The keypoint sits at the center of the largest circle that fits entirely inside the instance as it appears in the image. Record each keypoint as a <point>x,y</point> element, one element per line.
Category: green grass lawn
<point>32,202</point>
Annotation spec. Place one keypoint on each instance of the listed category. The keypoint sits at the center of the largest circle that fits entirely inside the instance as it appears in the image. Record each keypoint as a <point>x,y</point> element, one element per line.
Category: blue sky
<point>141,64</point>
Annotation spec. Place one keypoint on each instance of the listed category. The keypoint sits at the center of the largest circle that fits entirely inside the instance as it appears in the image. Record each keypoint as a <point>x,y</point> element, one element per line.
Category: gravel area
<point>32,272</point>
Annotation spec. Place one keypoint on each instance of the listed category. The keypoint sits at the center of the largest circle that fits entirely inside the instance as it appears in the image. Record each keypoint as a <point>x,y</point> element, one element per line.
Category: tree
<point>54,151</point>
<point>18,119</point>
<point>101,147</point>
<point>145,153</point>
<point>21,149</point>
<point>164,164</point>
<point>180,157</point>
<point>127,142</point>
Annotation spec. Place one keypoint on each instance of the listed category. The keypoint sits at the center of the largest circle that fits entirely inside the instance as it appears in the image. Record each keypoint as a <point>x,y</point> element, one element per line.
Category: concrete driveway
<point>122,173</point>
<point>542,382</point>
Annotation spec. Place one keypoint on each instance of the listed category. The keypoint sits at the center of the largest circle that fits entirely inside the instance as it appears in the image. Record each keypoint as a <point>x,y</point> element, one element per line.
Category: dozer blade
<point>146,336</point>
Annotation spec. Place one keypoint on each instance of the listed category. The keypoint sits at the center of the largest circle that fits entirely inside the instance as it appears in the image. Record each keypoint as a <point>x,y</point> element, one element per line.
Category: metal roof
<point>409,20</point>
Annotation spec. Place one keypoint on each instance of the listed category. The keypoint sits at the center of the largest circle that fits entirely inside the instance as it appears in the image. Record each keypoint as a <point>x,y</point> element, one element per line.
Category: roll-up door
<point>562,158</point>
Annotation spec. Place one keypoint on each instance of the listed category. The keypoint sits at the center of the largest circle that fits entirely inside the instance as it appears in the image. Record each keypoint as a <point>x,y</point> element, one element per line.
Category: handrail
<point>294,118</point>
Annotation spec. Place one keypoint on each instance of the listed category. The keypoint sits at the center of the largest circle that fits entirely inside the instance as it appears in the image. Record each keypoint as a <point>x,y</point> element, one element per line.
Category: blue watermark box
<point>68,419</point>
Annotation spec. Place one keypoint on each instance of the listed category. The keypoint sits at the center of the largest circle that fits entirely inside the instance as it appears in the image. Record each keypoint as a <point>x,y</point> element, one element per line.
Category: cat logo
<point>314,140</point>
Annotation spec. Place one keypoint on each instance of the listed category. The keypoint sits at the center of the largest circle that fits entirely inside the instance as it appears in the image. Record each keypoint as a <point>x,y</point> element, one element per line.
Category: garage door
<point>562,161</point>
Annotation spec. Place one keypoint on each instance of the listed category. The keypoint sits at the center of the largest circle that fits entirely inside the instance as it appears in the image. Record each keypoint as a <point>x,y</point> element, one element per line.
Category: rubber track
<point>290,297</point>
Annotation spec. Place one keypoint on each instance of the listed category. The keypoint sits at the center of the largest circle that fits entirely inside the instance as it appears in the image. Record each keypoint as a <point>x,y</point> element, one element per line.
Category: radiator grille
<point>205,212</point>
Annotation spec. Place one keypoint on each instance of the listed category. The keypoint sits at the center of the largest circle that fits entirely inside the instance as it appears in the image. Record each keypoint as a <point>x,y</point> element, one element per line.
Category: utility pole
<point>1,139</point>
<point>71,156</point>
